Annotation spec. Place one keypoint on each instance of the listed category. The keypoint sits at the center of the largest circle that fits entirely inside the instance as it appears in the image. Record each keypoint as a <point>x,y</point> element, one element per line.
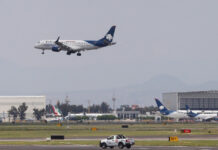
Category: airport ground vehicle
<point>116,140</point>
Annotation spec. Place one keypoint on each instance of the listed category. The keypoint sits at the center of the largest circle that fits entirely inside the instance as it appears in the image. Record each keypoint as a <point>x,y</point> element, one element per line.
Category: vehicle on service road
<point>116,141</point>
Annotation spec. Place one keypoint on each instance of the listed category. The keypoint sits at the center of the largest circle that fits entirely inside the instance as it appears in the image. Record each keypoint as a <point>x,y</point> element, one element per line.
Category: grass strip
<point>204,143</point>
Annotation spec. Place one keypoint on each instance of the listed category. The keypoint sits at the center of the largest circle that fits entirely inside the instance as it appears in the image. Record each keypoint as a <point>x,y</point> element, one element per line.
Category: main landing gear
<point>78,54</point>
<point>68,53</point>
<point>43,52</point>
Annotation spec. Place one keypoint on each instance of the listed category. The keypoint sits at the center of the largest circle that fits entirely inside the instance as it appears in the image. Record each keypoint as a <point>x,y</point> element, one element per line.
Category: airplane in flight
<point>169,113</point>
<point>76,46</point>
<point>200,116</point>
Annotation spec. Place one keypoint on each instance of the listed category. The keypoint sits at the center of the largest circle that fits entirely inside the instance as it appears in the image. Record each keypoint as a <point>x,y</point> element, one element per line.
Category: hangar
<point>32,102</point>
<point>196,100</point>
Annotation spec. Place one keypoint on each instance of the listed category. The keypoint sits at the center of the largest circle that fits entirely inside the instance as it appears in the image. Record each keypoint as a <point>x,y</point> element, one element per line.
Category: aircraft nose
<point>37,46</point>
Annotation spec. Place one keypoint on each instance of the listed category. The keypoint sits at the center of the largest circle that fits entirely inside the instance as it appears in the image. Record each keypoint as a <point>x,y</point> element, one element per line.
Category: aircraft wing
<point>65,47</point>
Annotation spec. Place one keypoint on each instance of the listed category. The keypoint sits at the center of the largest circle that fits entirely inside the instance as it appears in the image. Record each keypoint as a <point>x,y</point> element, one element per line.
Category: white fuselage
<point>177,115</point>
<point>76,46</point>
<point>205,116</point>
<point>79,45</point>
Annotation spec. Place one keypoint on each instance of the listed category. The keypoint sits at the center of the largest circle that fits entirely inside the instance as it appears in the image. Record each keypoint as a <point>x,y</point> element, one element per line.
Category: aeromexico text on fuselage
<point>76,46</point>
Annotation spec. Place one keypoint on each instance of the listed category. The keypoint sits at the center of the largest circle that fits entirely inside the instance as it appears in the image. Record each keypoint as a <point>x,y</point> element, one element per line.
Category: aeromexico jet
<point>169,113</point>
<point>200,116</point>
<point>76,46</point>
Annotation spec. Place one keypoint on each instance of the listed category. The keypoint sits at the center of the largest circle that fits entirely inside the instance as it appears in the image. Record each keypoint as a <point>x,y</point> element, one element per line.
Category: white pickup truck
<point>116,140</point>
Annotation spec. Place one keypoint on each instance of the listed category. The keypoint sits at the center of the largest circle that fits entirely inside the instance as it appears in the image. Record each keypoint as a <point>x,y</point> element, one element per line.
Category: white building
<point>32,102</point>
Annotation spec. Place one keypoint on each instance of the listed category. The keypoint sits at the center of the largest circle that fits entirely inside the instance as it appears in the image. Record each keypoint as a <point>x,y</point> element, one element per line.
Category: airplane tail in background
<point>188,109</point>
<point>189,112</point>
<point>163,110</point>
<point>56,111</point>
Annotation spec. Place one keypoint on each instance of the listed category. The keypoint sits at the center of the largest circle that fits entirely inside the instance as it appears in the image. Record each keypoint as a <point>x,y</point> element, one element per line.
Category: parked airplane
<point>169,113</point>
<point>56,111</point>
<point>56,115</point>
<point>76,46</point>
<point>199,116</point>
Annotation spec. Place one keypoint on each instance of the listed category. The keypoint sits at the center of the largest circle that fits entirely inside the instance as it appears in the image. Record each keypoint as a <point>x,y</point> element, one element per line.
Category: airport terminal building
<point>128,114</point>
<point>196,100</point>
<point>32,102</point>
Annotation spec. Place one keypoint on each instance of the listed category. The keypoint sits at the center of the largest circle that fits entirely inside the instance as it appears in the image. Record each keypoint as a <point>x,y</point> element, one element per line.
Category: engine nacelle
<point>56,49</point>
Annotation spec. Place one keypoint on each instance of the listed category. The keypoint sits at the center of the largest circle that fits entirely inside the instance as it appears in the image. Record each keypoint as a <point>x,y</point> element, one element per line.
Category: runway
<point>84,147</point>
<point>89,147</point>
<point>142,138</point>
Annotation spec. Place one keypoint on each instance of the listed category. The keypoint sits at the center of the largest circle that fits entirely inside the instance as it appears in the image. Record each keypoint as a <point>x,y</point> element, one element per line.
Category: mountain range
<point>142,94</point>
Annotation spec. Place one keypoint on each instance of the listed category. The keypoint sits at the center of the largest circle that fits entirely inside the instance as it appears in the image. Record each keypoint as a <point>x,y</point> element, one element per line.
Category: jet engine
<point>56,49</point>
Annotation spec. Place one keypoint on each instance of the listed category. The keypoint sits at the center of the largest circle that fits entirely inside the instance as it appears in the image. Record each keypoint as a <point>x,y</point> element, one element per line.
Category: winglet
<point>57,39</point>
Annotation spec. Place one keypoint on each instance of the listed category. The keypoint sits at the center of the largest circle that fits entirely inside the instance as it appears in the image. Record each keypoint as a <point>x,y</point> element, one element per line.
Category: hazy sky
<point>177,38</point>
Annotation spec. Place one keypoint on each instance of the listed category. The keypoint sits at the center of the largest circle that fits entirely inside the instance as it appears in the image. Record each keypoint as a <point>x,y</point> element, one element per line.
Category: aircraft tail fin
<point>161,107</point>
<point>108,38</point>
<point>188,109</point>
<point>189,112</point>
<point>56,111</point>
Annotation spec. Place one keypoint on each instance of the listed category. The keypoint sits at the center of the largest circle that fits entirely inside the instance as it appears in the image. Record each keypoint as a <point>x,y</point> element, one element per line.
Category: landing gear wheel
<point>128,146</point>
<point>120,145</point>
<point>68,53</point>
<point>43,52</point>
<point>78,54</point>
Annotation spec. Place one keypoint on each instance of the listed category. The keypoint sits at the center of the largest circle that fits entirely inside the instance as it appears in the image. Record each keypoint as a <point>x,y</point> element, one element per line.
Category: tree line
<point>14,112</point>
<point>142,110</point>
<point>66,108</point>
